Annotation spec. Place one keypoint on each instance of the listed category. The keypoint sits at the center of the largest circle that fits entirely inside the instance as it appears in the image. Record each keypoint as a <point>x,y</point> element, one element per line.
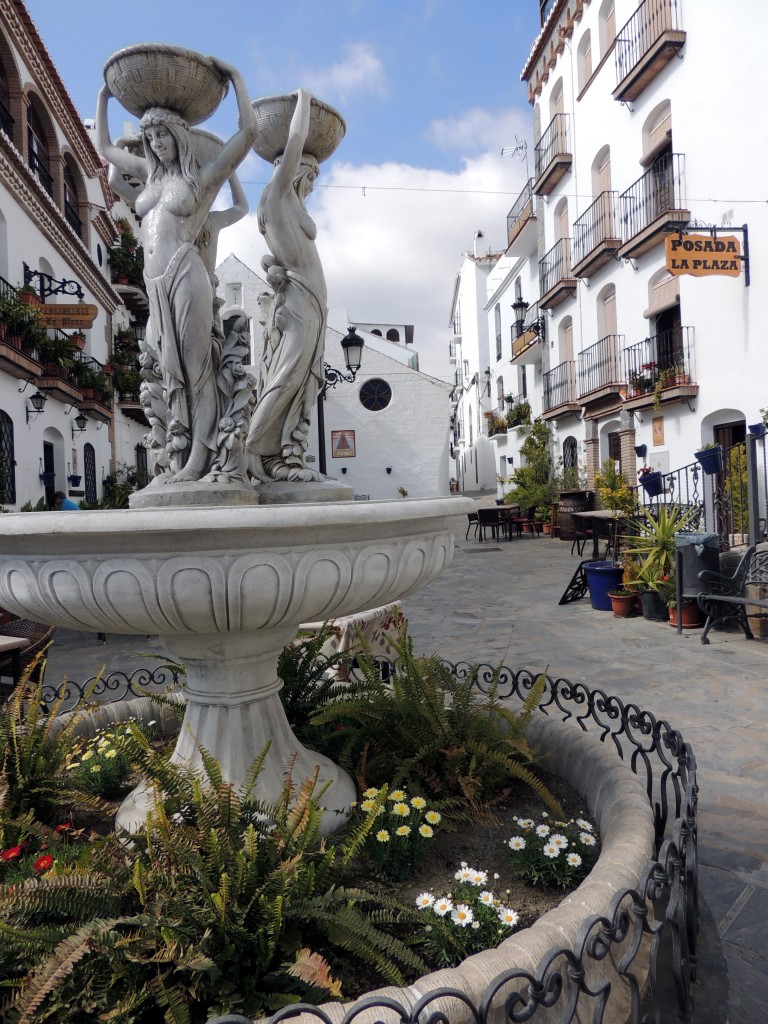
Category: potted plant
<point>622,602</point>
<point>651,480</point>
<point>544,517</point>
<point>15,316</point>
<point>653,549</point>
<point>710,456</point>
<point>520,414</point>
<point>78,339</point>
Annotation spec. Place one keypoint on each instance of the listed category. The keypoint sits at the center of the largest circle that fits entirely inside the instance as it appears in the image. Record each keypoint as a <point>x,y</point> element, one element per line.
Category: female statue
<point>292,368</point>
<point>180,355</point>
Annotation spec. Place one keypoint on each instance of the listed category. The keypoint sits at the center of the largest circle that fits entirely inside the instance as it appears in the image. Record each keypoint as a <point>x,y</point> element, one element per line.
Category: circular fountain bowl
<point>273,117</point>
<point>158,75</point>
<point>208,570</point>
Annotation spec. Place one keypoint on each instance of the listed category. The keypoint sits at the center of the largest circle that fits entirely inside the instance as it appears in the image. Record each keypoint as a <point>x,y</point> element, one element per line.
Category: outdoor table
<point>14,644</point>
<point>507,513</point>
<point>598,514</point>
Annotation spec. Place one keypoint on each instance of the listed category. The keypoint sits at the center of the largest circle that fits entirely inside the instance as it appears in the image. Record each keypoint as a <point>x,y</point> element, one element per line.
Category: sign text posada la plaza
<point>703,255</point>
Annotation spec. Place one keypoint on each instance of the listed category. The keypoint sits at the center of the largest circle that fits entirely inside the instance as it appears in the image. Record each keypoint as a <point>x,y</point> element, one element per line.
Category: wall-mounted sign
<point>66,317</point>
<point>343,444</point>
<point>703,255</point>
<point>657,428</point>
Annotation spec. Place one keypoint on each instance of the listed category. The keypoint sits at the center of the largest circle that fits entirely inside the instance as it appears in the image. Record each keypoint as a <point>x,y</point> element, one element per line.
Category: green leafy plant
<point>100,765</point>
<point>612,489</point>
<point>652,544</point>
<point>559,853</point>
<point>218,905</point>
<point>467,919</point>
<point>464,747</point>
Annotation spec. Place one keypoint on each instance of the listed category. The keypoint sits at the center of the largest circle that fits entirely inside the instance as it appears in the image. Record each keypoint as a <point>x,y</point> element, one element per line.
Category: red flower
<point>11,853</point>
<point>63,828</point>
<point>43,863</point>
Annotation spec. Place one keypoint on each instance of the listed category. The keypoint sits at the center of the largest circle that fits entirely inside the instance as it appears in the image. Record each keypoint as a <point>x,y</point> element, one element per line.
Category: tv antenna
<point>520,150</point>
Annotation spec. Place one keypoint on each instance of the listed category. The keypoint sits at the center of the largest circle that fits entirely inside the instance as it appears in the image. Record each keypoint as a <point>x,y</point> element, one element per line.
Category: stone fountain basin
<point>205,570</point>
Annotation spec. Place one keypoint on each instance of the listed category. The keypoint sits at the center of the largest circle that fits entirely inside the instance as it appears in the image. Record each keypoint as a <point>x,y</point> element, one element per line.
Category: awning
<point>664,295</point>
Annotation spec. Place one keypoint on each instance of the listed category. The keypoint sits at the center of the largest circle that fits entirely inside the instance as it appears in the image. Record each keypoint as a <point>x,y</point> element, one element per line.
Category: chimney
<point>478,236</point>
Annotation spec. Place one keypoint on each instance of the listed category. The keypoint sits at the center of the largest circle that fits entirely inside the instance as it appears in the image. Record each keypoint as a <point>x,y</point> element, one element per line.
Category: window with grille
<point>375,394</point>
<point>89,466</point>
<point>7,461</point>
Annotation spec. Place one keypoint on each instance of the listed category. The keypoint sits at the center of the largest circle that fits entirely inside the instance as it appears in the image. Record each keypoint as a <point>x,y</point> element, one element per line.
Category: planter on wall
<point>653,484</point>
<point>711,460</point>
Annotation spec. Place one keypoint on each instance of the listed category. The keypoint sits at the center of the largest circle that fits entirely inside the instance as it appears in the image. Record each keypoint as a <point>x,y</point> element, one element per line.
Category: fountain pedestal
<point>226,589</point>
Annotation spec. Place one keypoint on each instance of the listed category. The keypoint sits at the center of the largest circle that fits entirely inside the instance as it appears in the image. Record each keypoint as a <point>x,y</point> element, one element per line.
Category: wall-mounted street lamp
<point>37,400</point>
<point>352,347</point>
<point>519,308</point>
<point>81,422</point>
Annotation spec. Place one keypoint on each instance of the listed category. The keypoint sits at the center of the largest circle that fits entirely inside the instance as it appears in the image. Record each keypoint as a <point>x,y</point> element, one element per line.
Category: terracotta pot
<point>78,340</point>
<point>691,615</point>
<point>546,529</point>
<point>623,605</point>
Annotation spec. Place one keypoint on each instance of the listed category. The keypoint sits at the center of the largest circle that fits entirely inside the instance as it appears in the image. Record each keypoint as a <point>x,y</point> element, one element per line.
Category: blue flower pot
<point>602,577</point>
<point>653,484</point>
<point>711,460</point>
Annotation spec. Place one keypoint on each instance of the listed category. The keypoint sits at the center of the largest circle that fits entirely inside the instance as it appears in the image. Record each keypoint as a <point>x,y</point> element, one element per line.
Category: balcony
<point>560,391</point>
<point>556,280</point>
<point>599,377</point>
<point>528,337</point>
<point>521,214</point>
<point>452,348</point>
<point>653,206</point>
<point>644,46</point>
<point>596,235</point>
<point>553,157</point>
<point>6,121</point>
<point>41,172</point>
<point>659,369</point>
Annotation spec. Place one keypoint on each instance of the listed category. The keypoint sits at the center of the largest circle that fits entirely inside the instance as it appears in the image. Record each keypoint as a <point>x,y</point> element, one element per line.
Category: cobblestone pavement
<point>498,603</point>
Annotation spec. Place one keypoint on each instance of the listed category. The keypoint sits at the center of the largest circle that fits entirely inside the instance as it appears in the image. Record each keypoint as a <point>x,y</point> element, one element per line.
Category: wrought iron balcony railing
<point>661,361</point>
<point>659,191</point>
<point>560,386</point>
<point>521,212</point>
<point>599,366</point>
<point>555,141</point>
<point>636,40</point>
<point>73,219</point>
<point>6,121</point>
<point>555,268</point>
<point>41,172</point>
<point>597,226</point>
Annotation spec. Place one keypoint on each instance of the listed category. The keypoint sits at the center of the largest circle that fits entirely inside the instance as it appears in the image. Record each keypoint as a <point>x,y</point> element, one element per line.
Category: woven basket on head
<point>157,75</point>
<point>273,117</point>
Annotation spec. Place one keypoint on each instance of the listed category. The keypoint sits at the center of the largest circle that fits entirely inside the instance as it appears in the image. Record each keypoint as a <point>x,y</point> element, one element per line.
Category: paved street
<point>497,603</point>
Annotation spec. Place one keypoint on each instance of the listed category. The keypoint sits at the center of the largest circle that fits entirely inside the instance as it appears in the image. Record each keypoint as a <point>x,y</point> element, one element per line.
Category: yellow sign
<point>66,318</point>
<point>703,255</point>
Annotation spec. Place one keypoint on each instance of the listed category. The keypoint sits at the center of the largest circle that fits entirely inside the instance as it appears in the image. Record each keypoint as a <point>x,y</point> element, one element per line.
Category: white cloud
<point>479,129</point>
<point>392,237</point>
<point>359,71</point>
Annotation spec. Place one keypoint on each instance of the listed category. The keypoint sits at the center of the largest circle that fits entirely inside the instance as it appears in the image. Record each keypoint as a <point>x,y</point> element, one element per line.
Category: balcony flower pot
<point>711,459</point>
<point>756,428</point>
<point>653,484</point>
<point>690,614</point>
<point>602,577</point>
<point>654,608</point>
<point>78,340</point>
<point>74,480</point>
<point>48,479</point>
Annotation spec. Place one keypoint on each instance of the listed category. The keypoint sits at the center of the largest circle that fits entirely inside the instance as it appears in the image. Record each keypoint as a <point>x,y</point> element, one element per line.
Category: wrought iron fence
<point>666,764</point>
<point>596,225</point>
<point>599,365</point>
<point>521,211</point>
<point>659,191</point>
<point>116,686</point>
<point>661,361</point>
<point>6,121</point>
<point>734,501</point>
<point>634,39</point>
<point>555,141</point>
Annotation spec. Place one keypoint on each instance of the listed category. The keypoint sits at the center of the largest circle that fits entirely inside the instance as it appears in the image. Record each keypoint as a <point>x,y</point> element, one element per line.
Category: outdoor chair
<point>582,532</point>
<point>39,636</point>
<point>473,522</point>
<point>527,522</point>
<point>489,519</point>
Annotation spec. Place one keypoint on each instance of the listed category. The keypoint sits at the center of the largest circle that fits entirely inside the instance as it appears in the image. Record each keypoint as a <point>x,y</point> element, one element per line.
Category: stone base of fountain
<point>285,492</point>
<point>193,493</point>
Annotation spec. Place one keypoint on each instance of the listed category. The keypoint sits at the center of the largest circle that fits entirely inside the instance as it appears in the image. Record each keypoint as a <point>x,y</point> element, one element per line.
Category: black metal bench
<point>726,600</point>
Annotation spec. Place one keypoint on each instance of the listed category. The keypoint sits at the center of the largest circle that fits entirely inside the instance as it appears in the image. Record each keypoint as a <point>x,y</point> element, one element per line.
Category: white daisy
<point>442,906</point>
<point>479,878</point>
<point>404,830</point>
<point>586,839</point>
<point>542,831</point>
<point>508,916</point>
<point>573,859</point>
<point>425,832</point>
<point>462,915</point>
<point>550,850</point>
<point>486,898</point>
<point>559,841</point>
<point>586,825</point>
<point>463,874</point>
<point>525,823</point>
<point>418,802</point>
<point>424,900</point>
<point>382,835</point>
<point>516,843</point>
<point>433,817</point>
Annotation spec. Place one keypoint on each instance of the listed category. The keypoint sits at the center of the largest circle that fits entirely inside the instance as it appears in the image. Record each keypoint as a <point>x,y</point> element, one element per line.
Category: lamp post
<point>519,308</point>
<point>352,346</point>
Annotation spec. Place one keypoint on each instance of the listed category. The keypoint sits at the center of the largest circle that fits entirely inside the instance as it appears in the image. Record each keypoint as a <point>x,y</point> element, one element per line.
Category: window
<point>375,394</point>
<point>7,461</point>
<point>6,121</point>
<point>142,470</point>
<point>393,334</point>
<point>234,294</point>
<point>497,318</point>
<point>500,390</point>
<point>71,202</point>
<point>570,462</point>
<point>607,23</point>
<point>89,465</point>
<point>37,148</point>
<point>584,60</point>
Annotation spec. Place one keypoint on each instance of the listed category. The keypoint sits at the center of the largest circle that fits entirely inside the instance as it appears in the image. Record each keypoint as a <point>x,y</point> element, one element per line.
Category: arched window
<point>375,394</point>
<point>6,121</point>
<point>570,462</point>
<point>497,324</point>
<point>142,470</point>
<point>7,461</point>
<point>584,60</point>
<point>393,334</point>
<point>89,465</point>
<point>71,200</point>
<point>607,26</point>
<point>37,150</point>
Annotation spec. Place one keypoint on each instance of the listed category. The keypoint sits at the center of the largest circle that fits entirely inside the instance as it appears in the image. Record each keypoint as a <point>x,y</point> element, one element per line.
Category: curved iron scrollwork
<point>567,984</point>
<point>116,686</point>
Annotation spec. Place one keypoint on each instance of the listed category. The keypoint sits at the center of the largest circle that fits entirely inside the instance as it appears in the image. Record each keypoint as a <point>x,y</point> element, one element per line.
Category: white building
<point>388,431</point>
<point>56,230</point>
<point>638,139</point>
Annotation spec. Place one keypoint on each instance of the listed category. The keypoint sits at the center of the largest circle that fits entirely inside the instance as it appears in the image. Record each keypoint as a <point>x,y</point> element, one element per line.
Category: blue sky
<point>430,91</point>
